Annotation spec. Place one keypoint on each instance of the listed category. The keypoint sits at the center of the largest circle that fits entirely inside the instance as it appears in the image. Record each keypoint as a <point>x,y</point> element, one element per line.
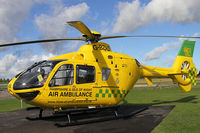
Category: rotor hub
<point>96,37</point>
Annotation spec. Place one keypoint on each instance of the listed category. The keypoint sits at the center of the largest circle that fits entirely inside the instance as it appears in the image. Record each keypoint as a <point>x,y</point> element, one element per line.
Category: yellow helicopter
<point>94,76</point>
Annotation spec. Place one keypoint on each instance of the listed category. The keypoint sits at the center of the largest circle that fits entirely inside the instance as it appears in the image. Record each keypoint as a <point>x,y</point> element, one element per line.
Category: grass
<point>11,104</point>
<point>184,118</point>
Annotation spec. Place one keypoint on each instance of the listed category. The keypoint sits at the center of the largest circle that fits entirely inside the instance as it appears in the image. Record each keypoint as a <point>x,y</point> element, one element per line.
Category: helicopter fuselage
<point>92,77</point>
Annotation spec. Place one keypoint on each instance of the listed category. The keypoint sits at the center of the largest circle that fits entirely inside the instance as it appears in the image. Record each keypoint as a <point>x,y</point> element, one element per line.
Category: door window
<point>85,74</point>
<point>63,76</point>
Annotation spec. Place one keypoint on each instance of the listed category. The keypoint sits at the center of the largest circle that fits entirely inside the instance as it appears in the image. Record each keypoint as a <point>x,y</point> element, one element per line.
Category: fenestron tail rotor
<point>89,36</point>
<point>185,65</point>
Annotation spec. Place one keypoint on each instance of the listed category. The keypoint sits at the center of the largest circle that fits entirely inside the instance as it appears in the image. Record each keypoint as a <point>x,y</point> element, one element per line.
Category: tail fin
<point>184,68</point>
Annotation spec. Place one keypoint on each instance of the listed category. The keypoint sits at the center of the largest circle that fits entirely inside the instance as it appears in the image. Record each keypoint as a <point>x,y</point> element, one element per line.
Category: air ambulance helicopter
<point>94,77</point>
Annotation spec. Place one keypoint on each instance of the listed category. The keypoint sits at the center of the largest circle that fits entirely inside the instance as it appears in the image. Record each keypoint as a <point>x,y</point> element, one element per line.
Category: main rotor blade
<point>110,37</point>
<point>40,41</point>
<point>82,28</point>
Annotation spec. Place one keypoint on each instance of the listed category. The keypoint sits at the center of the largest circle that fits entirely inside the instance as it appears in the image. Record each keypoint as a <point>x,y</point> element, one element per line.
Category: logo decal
<point>188,52</point>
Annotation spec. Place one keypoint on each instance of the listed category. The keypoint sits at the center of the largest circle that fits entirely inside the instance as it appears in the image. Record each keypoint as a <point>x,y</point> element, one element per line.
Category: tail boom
<point>183,71</point>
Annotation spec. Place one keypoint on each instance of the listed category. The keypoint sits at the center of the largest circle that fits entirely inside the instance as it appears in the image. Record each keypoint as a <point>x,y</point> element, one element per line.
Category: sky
<point>25,20</point>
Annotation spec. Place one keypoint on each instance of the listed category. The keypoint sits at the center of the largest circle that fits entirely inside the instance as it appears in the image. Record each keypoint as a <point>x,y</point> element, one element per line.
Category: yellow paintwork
<point>149,81</point>
<point>175,73</point>
<point>125,71</point>
<point>95,32</point>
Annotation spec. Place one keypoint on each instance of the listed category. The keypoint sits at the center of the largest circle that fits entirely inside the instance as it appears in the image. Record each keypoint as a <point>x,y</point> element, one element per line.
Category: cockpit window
<point>36,75</point>
<point>63,76</point>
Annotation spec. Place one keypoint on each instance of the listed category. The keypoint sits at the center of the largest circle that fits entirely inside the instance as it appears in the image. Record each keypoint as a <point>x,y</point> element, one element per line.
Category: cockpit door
<point>60,86</point>
<point>85,81</point>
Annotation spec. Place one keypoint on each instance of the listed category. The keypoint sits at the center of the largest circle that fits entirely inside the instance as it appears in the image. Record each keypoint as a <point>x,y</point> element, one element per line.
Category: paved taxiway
<point>143,122</point>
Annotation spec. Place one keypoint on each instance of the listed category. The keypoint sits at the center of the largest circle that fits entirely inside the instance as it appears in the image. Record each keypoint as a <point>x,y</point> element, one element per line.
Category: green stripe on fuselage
<point>187,48</point>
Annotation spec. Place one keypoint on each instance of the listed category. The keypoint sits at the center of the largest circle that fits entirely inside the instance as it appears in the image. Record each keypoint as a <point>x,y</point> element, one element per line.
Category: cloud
<point>158,51</point>
<point>12,14</point>
<point>169,61</point>
<point>74,46</point>
<point>54,25</point>
<point>133,15</point>
<point>105,27</point>
<point>6,62</point>
<point>10,65</point>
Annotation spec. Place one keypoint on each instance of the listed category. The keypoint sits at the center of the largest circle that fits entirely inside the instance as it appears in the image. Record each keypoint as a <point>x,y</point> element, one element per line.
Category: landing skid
<point>86,116</point>
<point>81,116</point>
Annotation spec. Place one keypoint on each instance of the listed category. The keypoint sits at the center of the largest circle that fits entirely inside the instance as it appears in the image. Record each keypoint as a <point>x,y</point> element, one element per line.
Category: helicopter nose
<point>22,95</point>
<point>28,96</point>
<point>10,89</point>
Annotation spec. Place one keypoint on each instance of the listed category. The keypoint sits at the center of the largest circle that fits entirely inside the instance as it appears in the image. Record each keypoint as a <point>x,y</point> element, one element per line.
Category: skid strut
<point>116,114</point>
<point>40,116</point>
<point>69,119</point>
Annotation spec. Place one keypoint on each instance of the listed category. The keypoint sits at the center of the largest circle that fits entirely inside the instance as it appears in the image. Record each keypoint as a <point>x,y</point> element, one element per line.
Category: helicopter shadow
<point>98,113</point>
<point>188,99</point>
<point>146,110</point>
<point>90,116</point>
